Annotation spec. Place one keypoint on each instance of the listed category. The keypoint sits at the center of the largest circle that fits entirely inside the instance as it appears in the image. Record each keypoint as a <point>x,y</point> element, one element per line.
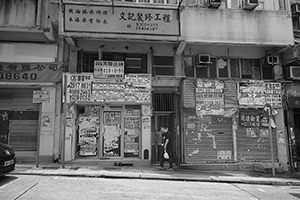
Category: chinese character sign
<point>78,87</point>
<point>251,93</point>
<point>30,72</point>
<point>258,93</point>
<point>108,19</point>
<point>209,97</point>
<point>109,69</point>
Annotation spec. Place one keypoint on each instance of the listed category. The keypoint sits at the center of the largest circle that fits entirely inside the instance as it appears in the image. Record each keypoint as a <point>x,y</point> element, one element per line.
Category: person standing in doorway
<point>166,147</point>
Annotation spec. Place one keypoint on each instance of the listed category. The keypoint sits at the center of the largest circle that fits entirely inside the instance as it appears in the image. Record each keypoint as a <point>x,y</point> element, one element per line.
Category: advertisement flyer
<point>209,97</point>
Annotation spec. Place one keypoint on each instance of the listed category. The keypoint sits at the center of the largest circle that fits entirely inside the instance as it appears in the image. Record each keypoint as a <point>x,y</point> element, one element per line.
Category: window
<point>134,63</point>
<point>85,62</point>
<point>163,65</point>
<point>222,67</point>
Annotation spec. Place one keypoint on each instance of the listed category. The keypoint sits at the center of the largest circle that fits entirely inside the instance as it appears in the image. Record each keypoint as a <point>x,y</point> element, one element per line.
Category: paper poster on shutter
<point>209,97</point>
<point>273,94</point>
<point>251,93</point>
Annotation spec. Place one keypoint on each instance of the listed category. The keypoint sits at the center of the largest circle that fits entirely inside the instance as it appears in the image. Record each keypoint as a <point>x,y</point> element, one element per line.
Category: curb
<point>172,177</point>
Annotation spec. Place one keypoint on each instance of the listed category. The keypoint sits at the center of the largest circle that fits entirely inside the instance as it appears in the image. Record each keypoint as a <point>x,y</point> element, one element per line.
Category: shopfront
<point>108,117</point>
<point>223,118</point>
<point>27,100</point>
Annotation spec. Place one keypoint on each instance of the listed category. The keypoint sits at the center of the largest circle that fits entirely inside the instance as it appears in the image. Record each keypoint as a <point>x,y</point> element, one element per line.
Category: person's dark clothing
<point>166,136</point>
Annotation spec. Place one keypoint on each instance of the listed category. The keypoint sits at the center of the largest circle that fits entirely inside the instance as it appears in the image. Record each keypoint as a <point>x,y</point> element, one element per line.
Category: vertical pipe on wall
<point>38,17</point>
<point>39,137</point>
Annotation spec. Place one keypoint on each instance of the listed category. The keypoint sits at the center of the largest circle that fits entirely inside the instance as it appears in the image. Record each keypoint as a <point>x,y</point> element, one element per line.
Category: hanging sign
<point>109,69</point>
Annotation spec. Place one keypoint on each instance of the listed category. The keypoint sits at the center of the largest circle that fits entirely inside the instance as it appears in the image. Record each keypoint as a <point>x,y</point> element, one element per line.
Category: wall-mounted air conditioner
<point>203,59</point>
<point>294,72</point>
<point>214,3</point>
<point>250,4</point>
<point>296,9</point>
<point>273,60</point>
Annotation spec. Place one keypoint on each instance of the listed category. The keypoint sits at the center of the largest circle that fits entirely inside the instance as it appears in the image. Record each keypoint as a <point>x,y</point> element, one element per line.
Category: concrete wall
<point>236,26</point>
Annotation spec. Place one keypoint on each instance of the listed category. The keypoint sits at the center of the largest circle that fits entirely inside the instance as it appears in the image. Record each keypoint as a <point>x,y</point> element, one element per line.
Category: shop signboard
<point>109,69</point>
<point>30,72</point>
<point>209,97</point>
<point>120,19</point>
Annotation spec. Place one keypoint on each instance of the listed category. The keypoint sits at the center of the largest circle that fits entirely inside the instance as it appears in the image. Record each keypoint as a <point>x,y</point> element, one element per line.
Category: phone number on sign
<point>18,76</point>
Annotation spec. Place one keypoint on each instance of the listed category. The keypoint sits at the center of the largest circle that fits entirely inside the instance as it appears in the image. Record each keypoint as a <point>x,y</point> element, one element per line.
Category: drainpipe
<point>38,18</point>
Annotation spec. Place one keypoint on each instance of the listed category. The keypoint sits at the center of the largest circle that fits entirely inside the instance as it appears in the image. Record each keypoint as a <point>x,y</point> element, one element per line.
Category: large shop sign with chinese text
<point>116,19</point>
<point>84,88</point>
<point>209,97</point>
<point>27,72</point>
<point>258,93</point>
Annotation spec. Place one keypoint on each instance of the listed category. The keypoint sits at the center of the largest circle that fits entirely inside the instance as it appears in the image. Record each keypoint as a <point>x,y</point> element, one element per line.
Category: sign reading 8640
<point>17,76</point>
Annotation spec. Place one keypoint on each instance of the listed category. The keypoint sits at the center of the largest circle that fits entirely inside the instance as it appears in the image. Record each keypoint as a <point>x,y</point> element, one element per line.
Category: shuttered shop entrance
<point>208,139</point>
<point>19,117</point>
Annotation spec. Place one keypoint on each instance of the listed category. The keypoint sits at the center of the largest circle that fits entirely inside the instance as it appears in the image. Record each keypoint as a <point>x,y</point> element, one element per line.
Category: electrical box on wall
<point>294,72</point>
<point>250,4</point>
<point>214,3</point>
<point>203,59</point>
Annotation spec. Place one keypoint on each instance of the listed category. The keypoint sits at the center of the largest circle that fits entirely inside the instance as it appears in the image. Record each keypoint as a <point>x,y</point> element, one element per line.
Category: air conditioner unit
<point>296,10</point>
<point>214,3</point>
<point>204,59</point>
<point>250,4</point>
<point>273,60</point>
<point>294,72</point>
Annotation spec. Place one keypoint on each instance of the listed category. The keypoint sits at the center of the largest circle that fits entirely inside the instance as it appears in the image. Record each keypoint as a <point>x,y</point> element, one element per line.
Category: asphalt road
<point>71,188</point>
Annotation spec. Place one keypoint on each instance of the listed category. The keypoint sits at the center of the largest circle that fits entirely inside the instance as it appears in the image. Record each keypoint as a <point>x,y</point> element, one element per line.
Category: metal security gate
<point>163,115</point>
<point>208,139</point>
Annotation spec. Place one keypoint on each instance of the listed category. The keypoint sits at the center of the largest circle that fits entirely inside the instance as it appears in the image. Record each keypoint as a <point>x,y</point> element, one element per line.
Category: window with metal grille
<point>85,62</point>
<point>163,102</point>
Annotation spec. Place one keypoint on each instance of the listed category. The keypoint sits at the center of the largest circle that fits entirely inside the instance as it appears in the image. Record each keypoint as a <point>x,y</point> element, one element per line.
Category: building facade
<point>93,81</point>
<point>211,67</point>
<point>30,79</point>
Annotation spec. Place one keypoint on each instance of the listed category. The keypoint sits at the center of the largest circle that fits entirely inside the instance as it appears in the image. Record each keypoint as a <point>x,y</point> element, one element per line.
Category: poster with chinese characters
<point>251,93</point>
<point>209,97</point>
<point>131,136</point>
<point>78,87</point>
<point>109,69</point>
<point>273,94</point>
<point>114,19</point>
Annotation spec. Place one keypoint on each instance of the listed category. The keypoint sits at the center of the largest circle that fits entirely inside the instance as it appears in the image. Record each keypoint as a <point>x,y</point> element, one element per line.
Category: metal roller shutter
<point>22,117</point>
<point>208,139</point>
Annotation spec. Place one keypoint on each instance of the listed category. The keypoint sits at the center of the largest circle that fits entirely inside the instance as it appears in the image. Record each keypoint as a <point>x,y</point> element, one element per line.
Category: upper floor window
<point>134,63</point>
<point>163,65</point>
<point>222,67</point>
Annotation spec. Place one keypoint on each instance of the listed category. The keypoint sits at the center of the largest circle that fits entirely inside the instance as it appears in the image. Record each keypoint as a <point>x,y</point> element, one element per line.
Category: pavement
<point>179,174</point>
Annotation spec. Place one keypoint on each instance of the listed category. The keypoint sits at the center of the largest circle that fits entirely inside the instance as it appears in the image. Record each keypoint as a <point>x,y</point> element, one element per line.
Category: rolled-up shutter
<point>22,117</point>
